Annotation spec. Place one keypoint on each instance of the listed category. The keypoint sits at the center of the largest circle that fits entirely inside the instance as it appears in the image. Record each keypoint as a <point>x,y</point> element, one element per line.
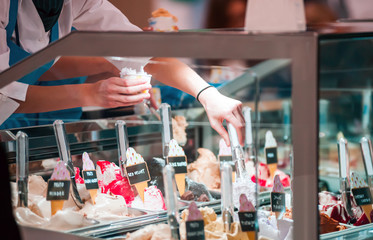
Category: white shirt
<point>94,15</point>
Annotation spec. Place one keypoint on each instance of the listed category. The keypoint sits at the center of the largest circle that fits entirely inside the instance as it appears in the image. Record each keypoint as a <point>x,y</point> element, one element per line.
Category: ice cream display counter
<point>294,106</point>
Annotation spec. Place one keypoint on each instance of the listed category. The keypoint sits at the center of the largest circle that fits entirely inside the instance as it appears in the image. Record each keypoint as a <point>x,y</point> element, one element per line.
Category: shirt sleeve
<point>4,50</point>
<point>15,90</point>
<point>100,15</point>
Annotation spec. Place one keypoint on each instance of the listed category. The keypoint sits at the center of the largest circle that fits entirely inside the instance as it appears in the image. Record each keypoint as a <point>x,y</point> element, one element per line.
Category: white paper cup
<point>138,76</point>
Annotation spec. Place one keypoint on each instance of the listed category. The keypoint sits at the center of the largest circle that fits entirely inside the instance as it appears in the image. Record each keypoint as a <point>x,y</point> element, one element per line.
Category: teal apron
<point>17,54</point>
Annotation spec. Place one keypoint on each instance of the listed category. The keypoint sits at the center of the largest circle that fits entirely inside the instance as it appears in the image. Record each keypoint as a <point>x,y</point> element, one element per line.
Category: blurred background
<point>198,14</point>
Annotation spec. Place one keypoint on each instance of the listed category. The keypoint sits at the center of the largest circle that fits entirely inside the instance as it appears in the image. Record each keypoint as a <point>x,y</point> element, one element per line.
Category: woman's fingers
<point>237,122</point>
<point>129,82</point>
<point>218,127</point>
<point>131,90</point>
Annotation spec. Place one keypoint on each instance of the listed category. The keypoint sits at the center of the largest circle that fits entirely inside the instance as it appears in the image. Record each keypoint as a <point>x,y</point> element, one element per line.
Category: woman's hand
<point>219,108</point>
<point>117,92</point>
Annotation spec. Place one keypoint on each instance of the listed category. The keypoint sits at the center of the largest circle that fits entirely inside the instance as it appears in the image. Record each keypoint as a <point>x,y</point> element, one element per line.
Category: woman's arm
<point>71,67</point>
<point>218,107</point>
<point>112,92</point>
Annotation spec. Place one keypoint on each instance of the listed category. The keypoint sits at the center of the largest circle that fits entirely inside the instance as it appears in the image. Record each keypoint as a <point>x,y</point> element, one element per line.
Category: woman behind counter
<point>27,26</point>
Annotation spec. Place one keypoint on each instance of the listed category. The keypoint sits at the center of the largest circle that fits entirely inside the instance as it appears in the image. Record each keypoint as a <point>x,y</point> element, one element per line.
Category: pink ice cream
<point>153,199</point>
<point>264,179</point>
<point>78,178</point>
<point>110,180</point>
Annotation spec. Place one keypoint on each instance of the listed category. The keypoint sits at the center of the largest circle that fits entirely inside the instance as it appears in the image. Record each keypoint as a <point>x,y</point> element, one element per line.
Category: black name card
<point>228,159</point>
<point>247,221</point>
<point>271,155</point>
<point>195,230</point>
<point>138,173</point>
<point>90,179</point>
<point>362,196</point>
<point>278,202</point>
<point>58,190</point>
<point>179,163</point>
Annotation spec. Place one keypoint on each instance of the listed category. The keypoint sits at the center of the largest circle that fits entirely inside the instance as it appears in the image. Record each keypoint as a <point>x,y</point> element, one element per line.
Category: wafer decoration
<point>175,149</point>
<point>278,197</point>
<point>362,194</point>
<point>177,153</point>
<point>247,216</point>
<point>270,150</point>
<point>88,166</point>
<point>135,159</point>
<point>60,173</point>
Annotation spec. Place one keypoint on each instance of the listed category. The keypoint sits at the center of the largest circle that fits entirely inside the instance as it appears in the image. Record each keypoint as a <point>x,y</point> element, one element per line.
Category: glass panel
<point>265,86</point>
<point>345,118</point>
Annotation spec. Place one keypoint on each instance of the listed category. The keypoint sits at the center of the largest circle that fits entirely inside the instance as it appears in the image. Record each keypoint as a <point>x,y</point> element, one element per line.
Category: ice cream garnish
<point>175,149</point>
<point>247,216</point>
<point>90,177</point>
<point>194,213</point>
<point>194,224</point>
<point>137,171</point>
<point>278,198</point>
<point>277,185</point>
<point>177,159</point>
<point>245,204</point>
<point>362,194</point>
<point>271,152</point>
<point>58,187</point>
<point>87,162</point>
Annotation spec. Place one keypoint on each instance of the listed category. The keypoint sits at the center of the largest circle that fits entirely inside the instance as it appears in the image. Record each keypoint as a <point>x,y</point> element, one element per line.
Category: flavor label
<point>58,190</point>
<point>271,155</point>
<point>278,202</point>
<point>228,159</point>
<point>138,173</point>
<point>90,179</point>
<point>195,230</point>
<point>179,163</point>
<point>247,221</point>
<point>362,196</point>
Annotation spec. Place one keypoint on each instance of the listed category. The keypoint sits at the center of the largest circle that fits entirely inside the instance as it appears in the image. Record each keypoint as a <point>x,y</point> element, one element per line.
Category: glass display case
<point>345,63</point>
<point>278,81</point>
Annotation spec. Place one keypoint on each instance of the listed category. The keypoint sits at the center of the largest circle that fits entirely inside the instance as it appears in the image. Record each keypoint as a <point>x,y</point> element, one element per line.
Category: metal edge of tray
<point>129,225</point>
<point>343,234</point>
<point>123,231</point>
<point>92,230</point>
